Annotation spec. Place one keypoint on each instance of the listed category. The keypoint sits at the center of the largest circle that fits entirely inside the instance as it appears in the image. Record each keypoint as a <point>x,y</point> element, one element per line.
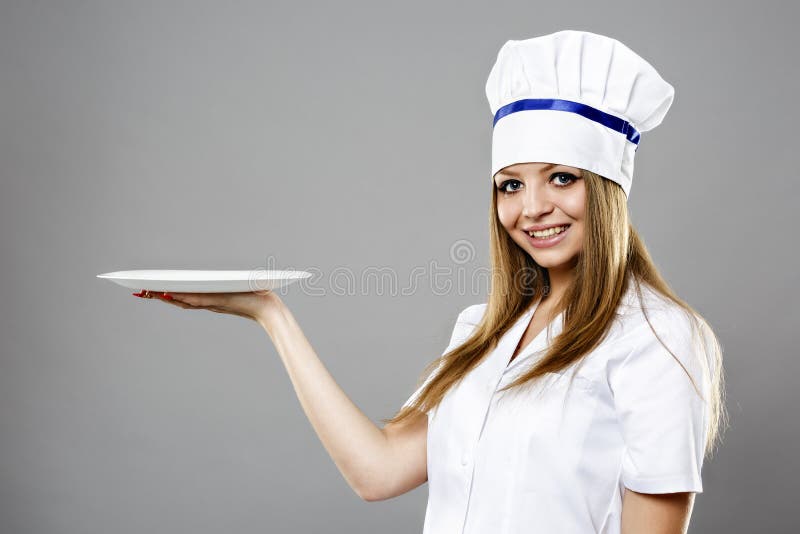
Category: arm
<point>376,463</point>
<point>666,513</point>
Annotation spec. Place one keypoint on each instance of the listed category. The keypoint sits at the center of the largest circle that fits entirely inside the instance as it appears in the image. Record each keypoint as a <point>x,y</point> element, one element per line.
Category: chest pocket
<point>549,386</point>
<point>562,380</point>
<point>546,406</point>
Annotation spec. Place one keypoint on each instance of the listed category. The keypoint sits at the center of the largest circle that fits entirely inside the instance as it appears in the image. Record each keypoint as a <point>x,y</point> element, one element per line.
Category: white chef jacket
<point>542,461</point>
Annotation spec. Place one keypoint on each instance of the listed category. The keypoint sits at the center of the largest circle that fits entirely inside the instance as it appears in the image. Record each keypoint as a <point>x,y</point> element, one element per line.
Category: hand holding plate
<point>250,305</point>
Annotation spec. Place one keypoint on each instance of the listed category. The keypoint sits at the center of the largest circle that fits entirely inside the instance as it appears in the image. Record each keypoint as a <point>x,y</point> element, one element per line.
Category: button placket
<point>468,456</point>
<point>502,351</point>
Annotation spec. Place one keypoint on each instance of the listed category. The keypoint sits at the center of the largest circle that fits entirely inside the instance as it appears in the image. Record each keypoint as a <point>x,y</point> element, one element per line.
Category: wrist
<point>270,314</point>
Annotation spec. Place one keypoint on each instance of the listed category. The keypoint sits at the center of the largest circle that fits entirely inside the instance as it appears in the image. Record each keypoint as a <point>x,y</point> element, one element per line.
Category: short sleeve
<point>465,324</point>
<point>663,418</point>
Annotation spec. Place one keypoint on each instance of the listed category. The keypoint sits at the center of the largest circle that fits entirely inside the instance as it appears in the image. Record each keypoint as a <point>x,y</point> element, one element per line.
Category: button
<point>465,459</point>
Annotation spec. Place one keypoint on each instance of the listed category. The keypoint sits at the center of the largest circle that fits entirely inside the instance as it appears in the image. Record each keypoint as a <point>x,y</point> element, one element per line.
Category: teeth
<point>548,232</point>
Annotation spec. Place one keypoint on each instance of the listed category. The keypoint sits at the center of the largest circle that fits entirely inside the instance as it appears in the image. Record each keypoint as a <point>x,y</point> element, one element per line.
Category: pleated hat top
<point>574,98</point>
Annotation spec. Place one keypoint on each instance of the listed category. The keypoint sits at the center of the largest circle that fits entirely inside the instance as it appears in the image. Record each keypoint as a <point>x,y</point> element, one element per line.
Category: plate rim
<point>292,274</point>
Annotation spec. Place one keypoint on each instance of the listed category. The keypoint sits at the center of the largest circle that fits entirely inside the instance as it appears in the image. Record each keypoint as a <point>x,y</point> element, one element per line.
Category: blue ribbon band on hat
<point>594,114</point>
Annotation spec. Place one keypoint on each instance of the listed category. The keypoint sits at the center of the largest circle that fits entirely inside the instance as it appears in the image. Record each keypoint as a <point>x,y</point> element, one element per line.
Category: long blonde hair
<point>613,256</point>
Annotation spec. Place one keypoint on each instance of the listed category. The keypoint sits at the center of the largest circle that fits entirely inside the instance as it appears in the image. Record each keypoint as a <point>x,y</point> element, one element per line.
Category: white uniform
<point>541,462</point>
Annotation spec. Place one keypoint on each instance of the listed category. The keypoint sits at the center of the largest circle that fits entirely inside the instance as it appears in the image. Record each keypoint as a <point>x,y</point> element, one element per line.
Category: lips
<point>540,227</point>
<point>534,229</point>
<point>546,242</point>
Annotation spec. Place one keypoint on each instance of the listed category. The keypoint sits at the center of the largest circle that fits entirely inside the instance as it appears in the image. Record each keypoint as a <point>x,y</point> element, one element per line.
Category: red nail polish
<point>167,296</point>
<point>136,295</point>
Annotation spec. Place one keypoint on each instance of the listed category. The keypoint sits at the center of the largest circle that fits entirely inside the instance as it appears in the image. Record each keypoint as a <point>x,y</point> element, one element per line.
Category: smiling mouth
<point>550,232</point>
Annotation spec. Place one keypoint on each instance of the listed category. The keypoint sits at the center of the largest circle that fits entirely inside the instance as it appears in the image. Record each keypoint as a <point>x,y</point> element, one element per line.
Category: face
<point>534,195</point>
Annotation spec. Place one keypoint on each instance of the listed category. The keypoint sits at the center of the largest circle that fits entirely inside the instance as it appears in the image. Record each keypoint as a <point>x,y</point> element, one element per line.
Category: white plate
<point>191,281</point>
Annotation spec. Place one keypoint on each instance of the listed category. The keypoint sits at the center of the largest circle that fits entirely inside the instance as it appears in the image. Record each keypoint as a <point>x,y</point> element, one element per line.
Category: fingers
<point>165,297</point>
<point>216,302</point>
<point>195,301</point>
<point>203,300</point>
<point>147,294</point>
<point>181,304</point>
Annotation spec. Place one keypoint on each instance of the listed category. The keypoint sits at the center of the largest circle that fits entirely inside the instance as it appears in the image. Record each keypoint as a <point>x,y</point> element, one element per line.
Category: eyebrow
<point>543,170</point>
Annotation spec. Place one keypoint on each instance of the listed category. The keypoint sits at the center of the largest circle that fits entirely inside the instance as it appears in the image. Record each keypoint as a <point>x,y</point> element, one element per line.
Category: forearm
<point>357,446</point>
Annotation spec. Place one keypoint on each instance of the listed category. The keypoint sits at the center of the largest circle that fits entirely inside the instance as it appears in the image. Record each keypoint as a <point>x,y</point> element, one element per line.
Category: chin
<point>549,263</point>
<point>552,261</point>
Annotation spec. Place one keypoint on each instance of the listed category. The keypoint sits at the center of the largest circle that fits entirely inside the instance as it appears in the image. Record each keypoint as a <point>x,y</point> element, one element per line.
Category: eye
<point>559,176</point>
<point>502,186</point>
<point>570,177</point>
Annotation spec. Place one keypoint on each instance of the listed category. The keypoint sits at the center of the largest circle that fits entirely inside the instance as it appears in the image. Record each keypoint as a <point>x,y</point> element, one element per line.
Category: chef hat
<point>574,98</point>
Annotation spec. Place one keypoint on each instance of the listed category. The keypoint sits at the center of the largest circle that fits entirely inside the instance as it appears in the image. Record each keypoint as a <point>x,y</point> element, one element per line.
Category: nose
<point>535,202</point>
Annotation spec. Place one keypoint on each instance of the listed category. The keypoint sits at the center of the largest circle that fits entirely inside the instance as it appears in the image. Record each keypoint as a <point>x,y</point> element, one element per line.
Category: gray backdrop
<point>340,138</point>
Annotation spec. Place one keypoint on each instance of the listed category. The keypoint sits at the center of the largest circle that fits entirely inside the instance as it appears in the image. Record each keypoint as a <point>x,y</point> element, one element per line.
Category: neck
<point>560,280</point>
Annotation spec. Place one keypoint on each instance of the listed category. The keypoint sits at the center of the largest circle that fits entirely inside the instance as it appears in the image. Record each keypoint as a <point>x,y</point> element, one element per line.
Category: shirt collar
<point>511,339</point>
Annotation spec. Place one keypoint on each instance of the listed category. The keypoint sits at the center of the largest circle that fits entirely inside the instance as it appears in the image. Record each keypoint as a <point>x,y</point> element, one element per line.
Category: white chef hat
<point>574,98</point>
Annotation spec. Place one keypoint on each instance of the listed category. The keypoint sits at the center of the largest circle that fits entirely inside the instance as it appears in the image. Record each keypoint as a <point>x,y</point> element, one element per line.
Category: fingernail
<point>167,296</point>
<point>136,295</point>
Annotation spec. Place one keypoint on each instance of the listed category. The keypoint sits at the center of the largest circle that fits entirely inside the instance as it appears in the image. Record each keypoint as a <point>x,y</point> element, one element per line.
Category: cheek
<point>574,204</point>
<point>507,213</point>
<point>577,238</point>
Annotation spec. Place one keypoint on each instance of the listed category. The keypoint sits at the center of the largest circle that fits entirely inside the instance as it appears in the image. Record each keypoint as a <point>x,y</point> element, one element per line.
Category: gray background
<point>340,136</point>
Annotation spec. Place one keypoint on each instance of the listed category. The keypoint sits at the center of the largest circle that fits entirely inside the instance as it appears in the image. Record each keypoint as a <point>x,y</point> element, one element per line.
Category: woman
<point>584,395</point>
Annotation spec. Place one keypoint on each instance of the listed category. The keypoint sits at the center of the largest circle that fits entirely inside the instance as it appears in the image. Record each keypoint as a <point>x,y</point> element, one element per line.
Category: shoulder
<point>472,314</point>
<point>666,340</point>
<point>632,304</point>
<point>654,327</point>
<point>637,317</point>
<point>466,322</point>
